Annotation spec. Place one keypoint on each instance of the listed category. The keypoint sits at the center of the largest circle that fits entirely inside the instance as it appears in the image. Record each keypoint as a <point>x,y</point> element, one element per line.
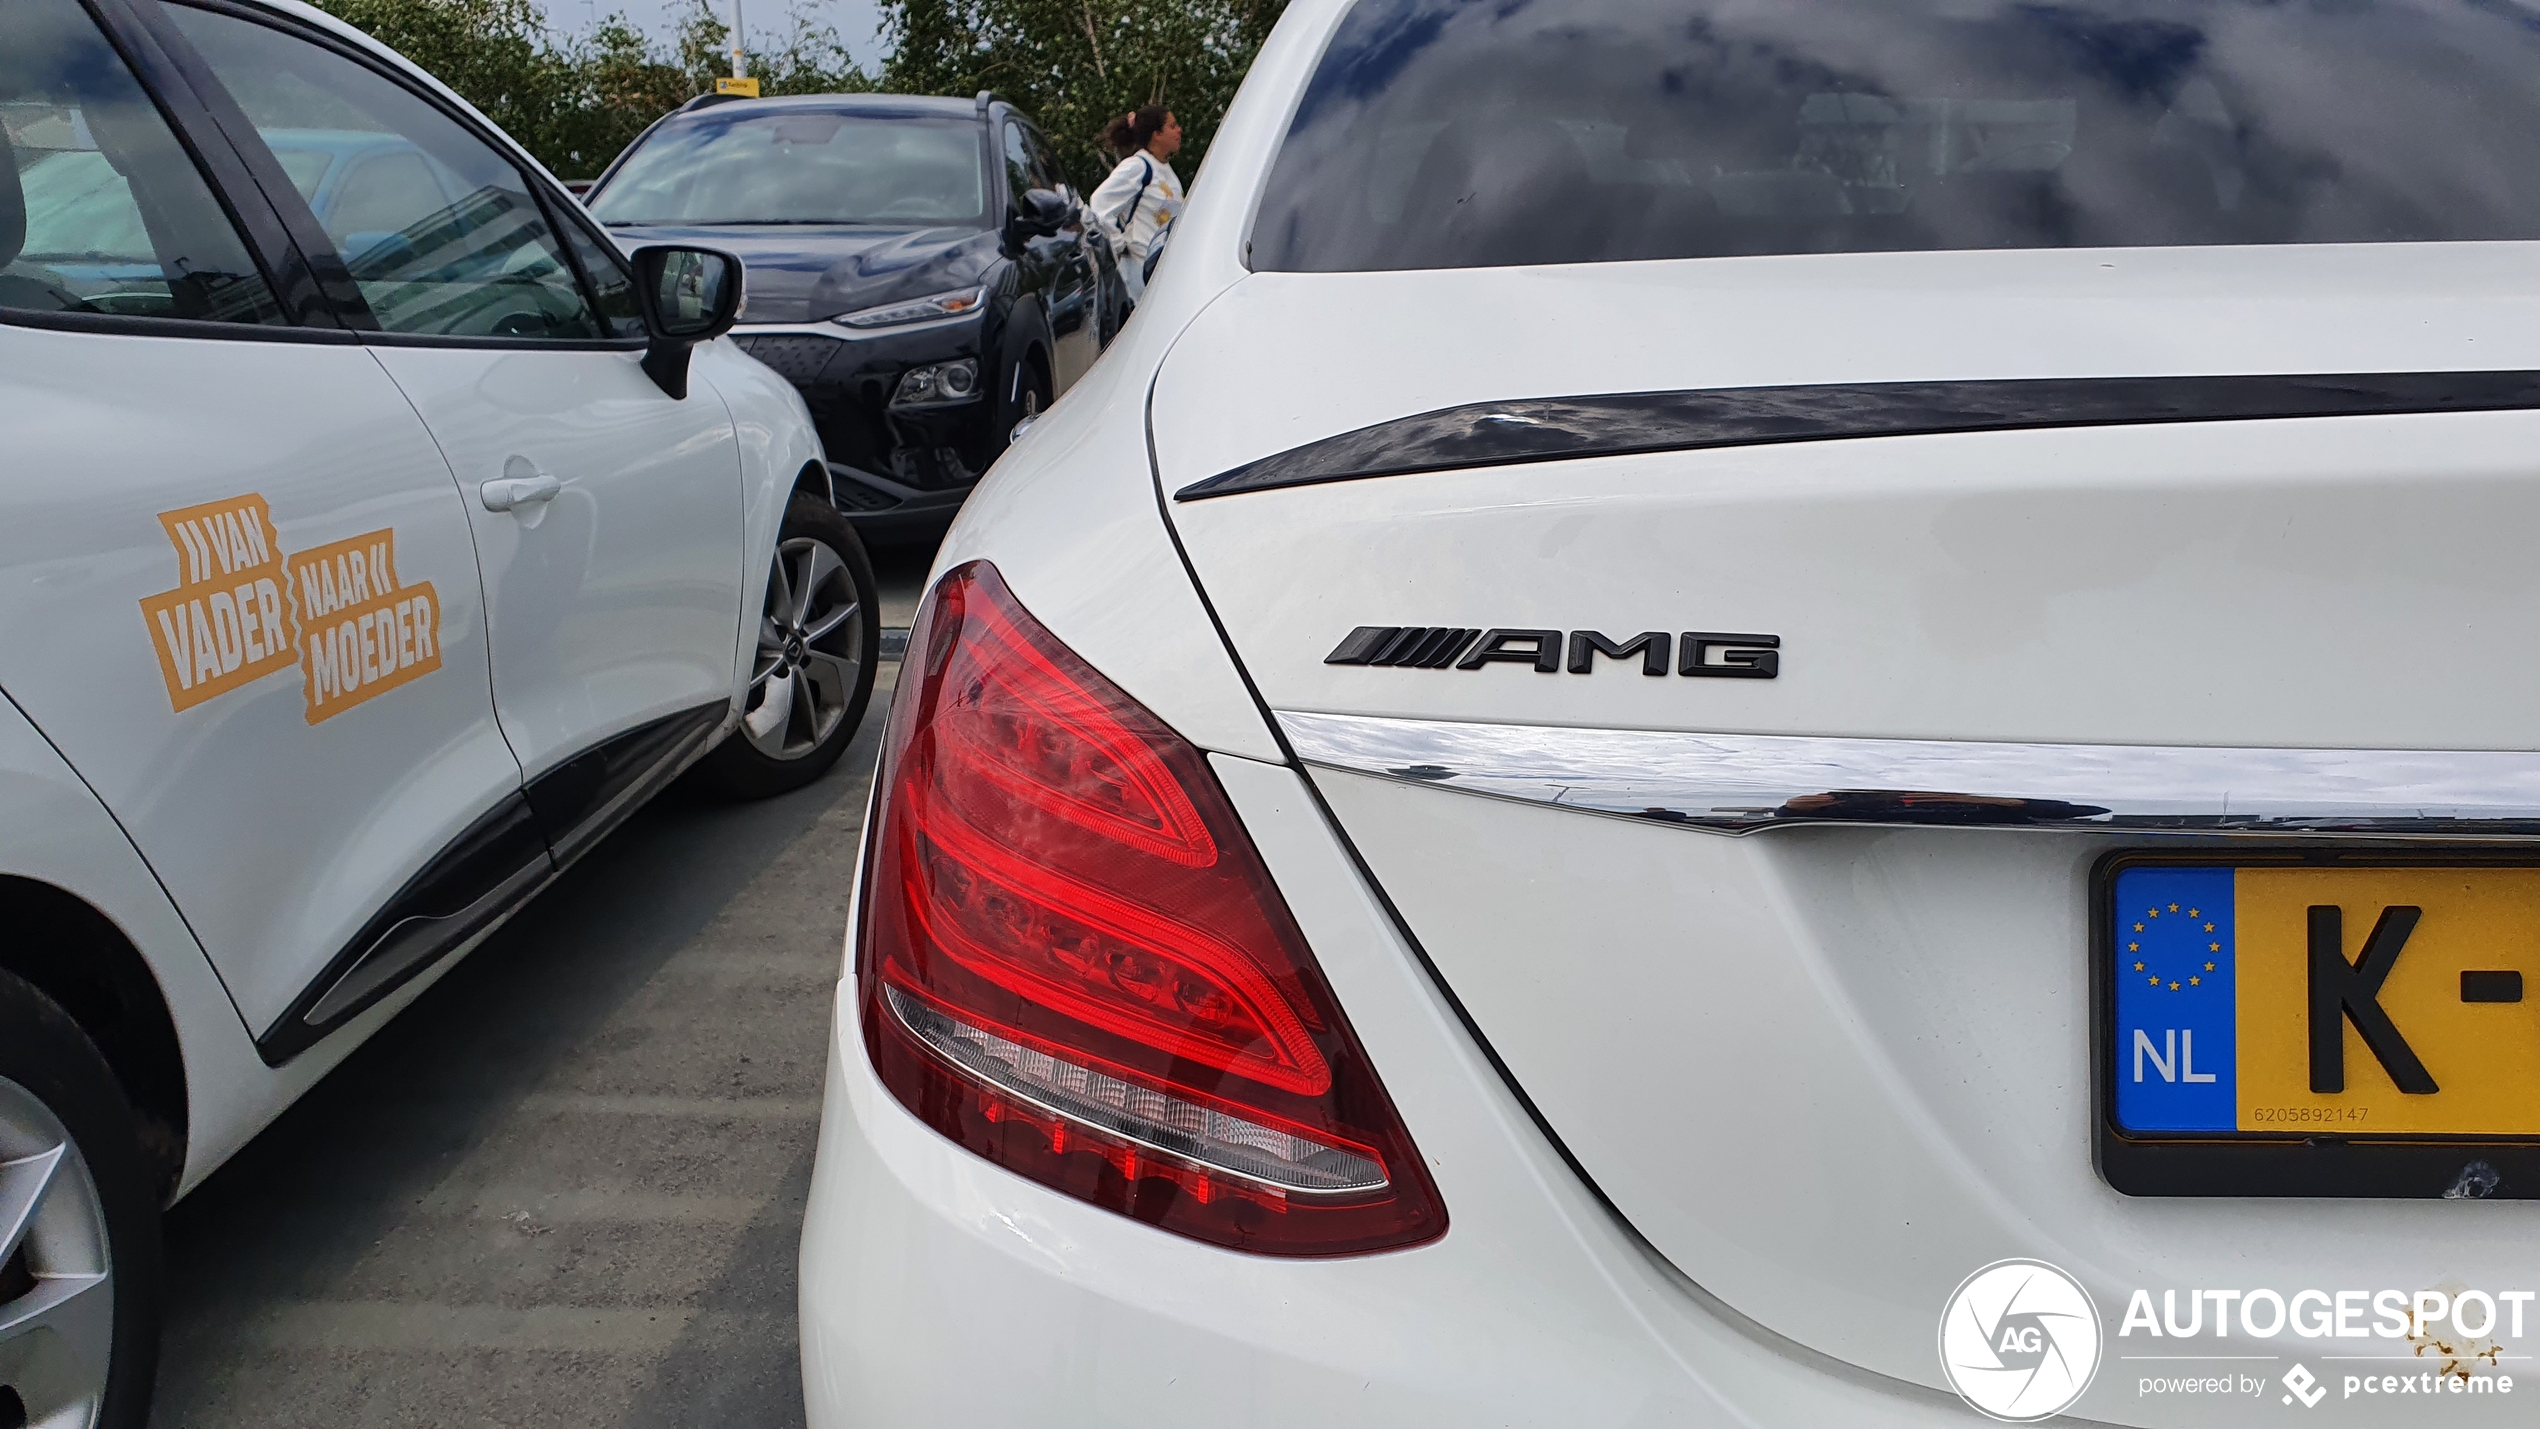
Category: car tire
<point>820,639</point>
<point>78,1198</point>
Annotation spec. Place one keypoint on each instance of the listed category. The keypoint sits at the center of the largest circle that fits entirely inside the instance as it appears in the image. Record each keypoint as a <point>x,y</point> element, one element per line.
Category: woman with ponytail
<point>1143,193</point>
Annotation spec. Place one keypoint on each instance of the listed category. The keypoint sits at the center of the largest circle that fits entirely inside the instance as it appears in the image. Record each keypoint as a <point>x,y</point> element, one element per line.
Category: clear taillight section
<point>1074,963</point>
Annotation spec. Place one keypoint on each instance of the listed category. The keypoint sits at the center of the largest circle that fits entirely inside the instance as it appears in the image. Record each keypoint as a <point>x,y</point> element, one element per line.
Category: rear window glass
<point>1482,133</point>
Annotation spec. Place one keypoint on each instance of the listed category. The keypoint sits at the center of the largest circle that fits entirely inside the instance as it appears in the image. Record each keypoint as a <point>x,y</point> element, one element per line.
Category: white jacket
<point>1155,207</point>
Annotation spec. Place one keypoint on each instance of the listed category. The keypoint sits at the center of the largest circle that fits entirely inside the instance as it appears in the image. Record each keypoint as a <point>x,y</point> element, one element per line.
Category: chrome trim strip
<point>1742,783</point>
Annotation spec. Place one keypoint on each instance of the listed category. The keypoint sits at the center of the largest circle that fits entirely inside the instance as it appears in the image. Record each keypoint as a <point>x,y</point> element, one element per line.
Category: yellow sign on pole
<point>746,87</point>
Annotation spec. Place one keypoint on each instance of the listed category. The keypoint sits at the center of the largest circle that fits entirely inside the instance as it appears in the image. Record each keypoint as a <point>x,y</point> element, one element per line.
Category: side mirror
<point>689,296</point>
<point>1038,213</point>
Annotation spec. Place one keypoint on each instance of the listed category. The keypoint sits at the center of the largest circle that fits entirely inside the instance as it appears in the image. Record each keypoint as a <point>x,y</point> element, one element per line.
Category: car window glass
<point>449,240</point>
<point>1457,133</point>
<point>1046,174</point>
<point>306,168</point>
<point>377,195</point>
<point>1018,163</point>
<point>611,284</point>
<point>101,211</point>
<point>747,164</point>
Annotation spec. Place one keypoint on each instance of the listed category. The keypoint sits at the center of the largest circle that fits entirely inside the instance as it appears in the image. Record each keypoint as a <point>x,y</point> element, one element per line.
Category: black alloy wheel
<point>820,633</point>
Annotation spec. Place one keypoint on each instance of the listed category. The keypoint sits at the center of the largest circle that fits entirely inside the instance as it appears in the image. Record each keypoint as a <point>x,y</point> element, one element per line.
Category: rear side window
<point>1482,133</point>
<point>101,211</point>
<point>440,231</point>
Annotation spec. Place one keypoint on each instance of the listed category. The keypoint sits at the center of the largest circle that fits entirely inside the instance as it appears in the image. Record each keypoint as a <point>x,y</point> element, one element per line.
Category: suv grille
<point>796,357</point>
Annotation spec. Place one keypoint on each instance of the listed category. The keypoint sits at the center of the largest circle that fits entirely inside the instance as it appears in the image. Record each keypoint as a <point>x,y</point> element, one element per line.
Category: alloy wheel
<point>810,651</point>
<point>57,1293</point>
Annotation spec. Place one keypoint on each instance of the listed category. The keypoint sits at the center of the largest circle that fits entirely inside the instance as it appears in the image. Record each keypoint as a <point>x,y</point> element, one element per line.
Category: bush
<point>574,102</point>
<point>1076,65</point>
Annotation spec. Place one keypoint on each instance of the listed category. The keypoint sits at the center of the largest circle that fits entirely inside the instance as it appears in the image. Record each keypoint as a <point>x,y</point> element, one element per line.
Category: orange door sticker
<point>230,621</point>
<point>245,609</point>
<point>365,633</point>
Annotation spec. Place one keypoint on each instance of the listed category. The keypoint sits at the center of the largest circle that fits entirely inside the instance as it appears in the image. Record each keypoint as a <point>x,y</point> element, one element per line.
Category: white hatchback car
<point>373,538</point>
<point>2021,748</point>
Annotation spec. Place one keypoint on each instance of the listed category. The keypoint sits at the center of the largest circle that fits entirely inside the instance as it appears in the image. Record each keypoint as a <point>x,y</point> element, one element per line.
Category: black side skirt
<point>490,870</point>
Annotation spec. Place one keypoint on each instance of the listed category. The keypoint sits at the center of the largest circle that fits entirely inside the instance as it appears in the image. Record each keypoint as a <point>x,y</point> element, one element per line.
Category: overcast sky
<point>856,21</point>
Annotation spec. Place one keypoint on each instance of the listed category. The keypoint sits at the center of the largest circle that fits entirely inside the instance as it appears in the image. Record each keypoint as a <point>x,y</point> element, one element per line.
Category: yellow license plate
<point>2347,1002</point>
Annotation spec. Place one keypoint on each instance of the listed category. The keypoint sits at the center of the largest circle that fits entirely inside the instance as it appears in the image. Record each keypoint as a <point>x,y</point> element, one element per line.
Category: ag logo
<point>2019,1340</point>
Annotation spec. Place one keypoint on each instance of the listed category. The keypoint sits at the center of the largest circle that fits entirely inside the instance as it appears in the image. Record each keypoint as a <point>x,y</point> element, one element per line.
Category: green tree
<point>574,102</point>
<point>1076,65</point>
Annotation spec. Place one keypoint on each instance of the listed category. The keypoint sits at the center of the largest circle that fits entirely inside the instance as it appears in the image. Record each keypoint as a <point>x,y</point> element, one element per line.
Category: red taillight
<point>1074,963</point>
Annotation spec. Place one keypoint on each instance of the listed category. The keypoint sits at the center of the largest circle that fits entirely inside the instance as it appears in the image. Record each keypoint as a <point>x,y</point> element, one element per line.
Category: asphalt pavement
<point>563,1188</point>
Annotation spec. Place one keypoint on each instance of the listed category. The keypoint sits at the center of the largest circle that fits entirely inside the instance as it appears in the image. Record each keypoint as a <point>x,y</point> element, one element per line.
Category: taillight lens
<point>1074,963</point>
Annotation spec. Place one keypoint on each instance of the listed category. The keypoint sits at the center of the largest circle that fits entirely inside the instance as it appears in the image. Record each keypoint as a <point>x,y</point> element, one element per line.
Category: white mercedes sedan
<point>1606,773</point>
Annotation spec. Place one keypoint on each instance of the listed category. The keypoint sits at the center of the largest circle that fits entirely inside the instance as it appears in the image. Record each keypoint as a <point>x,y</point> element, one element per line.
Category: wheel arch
<point>76,955</point>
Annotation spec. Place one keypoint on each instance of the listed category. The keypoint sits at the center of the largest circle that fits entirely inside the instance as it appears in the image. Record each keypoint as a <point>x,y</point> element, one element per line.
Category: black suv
<point>919,268</point>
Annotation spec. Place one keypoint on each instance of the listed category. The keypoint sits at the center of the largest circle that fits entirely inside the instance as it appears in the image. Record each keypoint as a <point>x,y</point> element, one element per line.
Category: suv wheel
<point>819,634</point>
<point>79,1229</point>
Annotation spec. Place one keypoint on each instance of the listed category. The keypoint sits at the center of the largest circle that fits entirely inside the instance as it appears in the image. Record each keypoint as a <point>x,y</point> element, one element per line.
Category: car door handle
<point>511,492</point>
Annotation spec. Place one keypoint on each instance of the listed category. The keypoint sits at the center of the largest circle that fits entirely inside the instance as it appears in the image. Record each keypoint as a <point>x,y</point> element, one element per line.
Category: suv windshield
<point>1480,133</point>
<point>802,166</point>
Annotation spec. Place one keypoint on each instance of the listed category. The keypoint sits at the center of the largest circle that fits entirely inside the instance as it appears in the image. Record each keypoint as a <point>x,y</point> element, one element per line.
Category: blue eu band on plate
<point>2176,999</point>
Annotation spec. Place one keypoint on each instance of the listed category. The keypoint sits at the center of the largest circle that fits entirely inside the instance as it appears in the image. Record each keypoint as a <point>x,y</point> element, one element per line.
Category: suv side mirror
<point>689,296</point>
<point>1038,213</point>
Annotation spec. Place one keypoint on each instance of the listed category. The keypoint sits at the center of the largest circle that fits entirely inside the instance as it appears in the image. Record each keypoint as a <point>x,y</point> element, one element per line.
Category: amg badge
<point>1428,647</point>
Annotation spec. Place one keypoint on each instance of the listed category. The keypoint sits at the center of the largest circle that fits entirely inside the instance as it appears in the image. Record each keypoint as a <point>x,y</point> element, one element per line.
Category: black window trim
<point>221,110</point>
<point>550,205</point>
<point>561,211</point>
<point>251,215</point>
<point>992,144</point>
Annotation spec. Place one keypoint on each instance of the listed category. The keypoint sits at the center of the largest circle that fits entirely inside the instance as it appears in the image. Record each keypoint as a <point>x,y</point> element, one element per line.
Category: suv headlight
<point>917,310</point>
<point>938,384</point>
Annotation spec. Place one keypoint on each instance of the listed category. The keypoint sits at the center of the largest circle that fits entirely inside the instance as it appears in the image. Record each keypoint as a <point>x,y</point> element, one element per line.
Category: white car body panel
<point>1535,1309</point>
<point>2229,557</point>
<point>1806,1081</point>
<point>273,835</point>
<point>1348,349</point>
<point>60,835</point>
<point>278,833</point>
<point>617,601</point>
<point>1101,565</point>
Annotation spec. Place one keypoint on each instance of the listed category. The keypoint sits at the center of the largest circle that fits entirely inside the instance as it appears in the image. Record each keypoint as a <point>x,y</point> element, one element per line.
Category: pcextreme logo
<point>245,609</point>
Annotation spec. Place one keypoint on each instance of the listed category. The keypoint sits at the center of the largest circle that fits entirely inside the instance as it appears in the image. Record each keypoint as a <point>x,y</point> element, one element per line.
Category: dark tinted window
<point>744,165</point>
<point>100,210</point>
<point>1477,133</point>
<point>1046,172</point>
<point>1019,177</point>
